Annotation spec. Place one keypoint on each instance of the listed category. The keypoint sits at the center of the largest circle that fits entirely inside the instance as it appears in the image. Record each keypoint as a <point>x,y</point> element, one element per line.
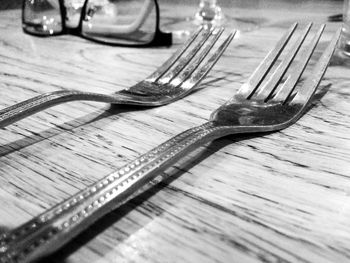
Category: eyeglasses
<point>115,22</point>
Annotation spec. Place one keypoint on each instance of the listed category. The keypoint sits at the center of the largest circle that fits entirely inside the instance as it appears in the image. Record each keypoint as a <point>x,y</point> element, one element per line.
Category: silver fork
<point>176,78</point>
<point>260,105</point>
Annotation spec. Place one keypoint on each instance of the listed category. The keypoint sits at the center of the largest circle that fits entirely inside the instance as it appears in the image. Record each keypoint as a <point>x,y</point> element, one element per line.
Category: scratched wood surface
<point>281,197</point>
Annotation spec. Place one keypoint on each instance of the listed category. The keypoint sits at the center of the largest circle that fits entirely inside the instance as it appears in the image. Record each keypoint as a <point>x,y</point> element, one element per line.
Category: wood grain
<point>280,197</point>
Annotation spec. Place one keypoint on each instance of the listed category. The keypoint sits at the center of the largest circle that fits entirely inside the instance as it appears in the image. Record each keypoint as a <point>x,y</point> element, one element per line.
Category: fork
<point>173,80</point>
<point>262,104</point>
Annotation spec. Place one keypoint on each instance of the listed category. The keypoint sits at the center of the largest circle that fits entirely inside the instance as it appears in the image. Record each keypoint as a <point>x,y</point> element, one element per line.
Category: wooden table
<point>281,197</point>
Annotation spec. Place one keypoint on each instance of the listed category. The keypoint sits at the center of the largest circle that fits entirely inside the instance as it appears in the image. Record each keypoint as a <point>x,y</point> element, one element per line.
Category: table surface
<point>283,196</point>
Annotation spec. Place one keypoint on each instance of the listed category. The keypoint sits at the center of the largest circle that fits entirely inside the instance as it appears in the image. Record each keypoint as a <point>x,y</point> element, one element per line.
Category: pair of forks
<point>270,100</point>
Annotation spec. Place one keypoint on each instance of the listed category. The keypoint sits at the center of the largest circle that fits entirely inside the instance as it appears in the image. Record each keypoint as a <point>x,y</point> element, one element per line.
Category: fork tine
<point>168,63</point>
<point>310,85</point>
<point>269,86</point>
<point>203,71</point>
<point>199,58</point>
<point>183,61</point>
<point>288,86</point>
<point>259,74</point>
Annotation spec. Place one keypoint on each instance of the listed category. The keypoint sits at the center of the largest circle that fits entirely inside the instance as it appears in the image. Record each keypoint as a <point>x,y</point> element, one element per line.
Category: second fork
<point>173,80</point>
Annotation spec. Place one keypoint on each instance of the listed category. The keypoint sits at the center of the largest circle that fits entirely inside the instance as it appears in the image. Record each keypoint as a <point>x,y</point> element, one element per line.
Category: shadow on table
<point>113,217</point>
<point>65,127</point>
<point>93,117</point>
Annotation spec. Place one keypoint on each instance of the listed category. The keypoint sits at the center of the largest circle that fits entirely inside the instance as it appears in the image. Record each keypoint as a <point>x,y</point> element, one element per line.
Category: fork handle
<point>31,106</point>
<point>49,231</point>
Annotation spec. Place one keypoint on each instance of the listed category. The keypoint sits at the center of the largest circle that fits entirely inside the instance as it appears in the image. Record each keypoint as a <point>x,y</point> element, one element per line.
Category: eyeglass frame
<point>160,38</point>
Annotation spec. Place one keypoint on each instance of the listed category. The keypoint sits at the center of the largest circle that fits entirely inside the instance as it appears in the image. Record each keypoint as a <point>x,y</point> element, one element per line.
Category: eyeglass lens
<point>120,21</point>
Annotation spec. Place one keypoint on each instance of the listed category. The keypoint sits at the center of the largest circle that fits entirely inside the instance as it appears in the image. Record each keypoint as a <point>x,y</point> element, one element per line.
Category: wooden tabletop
<point>280,197</point>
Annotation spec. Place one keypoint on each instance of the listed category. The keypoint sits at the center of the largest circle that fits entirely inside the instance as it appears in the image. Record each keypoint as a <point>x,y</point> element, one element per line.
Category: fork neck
<point>55,227</point>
